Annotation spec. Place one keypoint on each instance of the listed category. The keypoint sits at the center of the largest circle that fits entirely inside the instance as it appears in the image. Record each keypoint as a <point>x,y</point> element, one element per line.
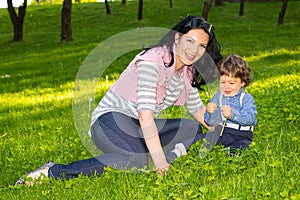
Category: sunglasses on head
<point>199,22</point>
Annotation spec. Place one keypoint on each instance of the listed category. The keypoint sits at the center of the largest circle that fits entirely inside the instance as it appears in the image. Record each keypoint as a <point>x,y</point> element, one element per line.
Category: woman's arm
<point>152,140</point>
<point>199,116</point>
<point>148,75</point>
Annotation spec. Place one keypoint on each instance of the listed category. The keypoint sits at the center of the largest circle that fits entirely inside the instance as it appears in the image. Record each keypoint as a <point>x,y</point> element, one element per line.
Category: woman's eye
<point>203,46</point>
<point>189,41</point>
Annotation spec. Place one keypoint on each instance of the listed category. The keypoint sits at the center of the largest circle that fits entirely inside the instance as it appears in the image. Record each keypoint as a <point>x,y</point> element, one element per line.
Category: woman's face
<point>190,46</point>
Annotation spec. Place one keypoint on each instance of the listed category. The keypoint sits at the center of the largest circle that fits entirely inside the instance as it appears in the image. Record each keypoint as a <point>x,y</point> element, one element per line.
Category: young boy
<point>231,106</point>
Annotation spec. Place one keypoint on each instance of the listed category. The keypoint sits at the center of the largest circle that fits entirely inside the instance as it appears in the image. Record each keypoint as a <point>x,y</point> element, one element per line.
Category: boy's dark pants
<point>235,139</point>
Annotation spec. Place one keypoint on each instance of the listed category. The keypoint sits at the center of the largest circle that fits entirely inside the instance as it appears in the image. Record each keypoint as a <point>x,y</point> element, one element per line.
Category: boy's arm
<point>214,118</point>
<point>247,114</point>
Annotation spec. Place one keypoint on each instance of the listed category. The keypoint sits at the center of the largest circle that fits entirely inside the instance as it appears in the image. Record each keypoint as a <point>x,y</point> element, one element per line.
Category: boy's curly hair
<point>234,65</point>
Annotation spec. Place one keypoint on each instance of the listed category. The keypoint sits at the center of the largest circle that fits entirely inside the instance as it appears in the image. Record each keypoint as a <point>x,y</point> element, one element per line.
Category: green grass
<point>37,88</point>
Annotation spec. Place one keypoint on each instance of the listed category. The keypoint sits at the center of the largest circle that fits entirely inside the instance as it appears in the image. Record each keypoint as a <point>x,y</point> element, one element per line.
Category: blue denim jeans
<point>120,139</point>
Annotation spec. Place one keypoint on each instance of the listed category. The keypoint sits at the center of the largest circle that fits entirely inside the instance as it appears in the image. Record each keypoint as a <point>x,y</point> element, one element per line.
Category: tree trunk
<point>66,31</point>
<point>219,2</point>
<point>123,2</point>
<point>171,4</point>
<point>207,5</point>
<point>17,20</point>
<point>282,12</point>
<point>140,10</point>
<point>241,8</point>
<point>107,7</point>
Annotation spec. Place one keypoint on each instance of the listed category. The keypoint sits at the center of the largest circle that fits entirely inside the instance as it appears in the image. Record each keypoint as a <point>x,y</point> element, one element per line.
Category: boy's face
<point>230,85</point>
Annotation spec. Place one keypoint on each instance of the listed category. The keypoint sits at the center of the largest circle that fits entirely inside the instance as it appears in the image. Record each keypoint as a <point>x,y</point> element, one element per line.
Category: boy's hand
<point>211,107</point>
<point>226,110</point>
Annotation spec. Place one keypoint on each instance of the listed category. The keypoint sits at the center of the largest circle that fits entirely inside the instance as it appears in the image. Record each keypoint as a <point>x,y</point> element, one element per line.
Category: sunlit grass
<point>34,97</point>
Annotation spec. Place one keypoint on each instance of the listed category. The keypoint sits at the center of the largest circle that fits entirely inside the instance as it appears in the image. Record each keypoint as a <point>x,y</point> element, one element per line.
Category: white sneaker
<point>38,173</point>
<point>179,150</point>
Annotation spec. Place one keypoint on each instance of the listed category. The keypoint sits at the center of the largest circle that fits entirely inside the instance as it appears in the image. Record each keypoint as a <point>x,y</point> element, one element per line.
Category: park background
<point>37,78</point>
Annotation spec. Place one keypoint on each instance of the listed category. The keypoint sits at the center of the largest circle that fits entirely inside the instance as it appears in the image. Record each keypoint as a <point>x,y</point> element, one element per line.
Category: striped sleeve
<point>194,102</point>
<point>146,85</point>
<point>174,89</point>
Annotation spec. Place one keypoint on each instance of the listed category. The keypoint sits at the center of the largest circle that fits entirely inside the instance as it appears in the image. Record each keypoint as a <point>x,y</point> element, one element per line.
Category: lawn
<point>40,119</point>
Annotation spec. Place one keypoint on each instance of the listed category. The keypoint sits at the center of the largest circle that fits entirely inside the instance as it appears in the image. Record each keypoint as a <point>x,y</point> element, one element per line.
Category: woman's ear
<point>177,37</point>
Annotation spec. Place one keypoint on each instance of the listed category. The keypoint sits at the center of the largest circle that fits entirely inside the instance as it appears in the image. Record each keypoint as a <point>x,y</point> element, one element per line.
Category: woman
<point>124,125</point>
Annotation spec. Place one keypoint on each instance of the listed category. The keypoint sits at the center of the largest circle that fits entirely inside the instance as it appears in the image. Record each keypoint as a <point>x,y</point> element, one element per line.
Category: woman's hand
<point>211,107</point>
<point>199,116</point>
<point>162,170</point>
<point>211,128</point>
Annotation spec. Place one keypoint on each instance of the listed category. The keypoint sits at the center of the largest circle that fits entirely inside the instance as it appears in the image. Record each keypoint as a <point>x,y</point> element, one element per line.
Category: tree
<point>107,7</point>
<point>241,8</point>
<point>123,2</point>
<point>171,4</point>
<point>17,20</point>
<point>282,12</point>
<point>219,2</point>
<point>66,31</point>
<point>207,5</point>
<point>140,10</point>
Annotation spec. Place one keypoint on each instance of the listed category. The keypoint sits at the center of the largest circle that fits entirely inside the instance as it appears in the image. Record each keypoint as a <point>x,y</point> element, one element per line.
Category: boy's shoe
<point>38,173</point>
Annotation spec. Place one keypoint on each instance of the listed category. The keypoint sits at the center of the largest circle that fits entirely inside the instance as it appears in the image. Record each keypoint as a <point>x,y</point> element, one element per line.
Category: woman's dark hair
<point>202,74</point>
